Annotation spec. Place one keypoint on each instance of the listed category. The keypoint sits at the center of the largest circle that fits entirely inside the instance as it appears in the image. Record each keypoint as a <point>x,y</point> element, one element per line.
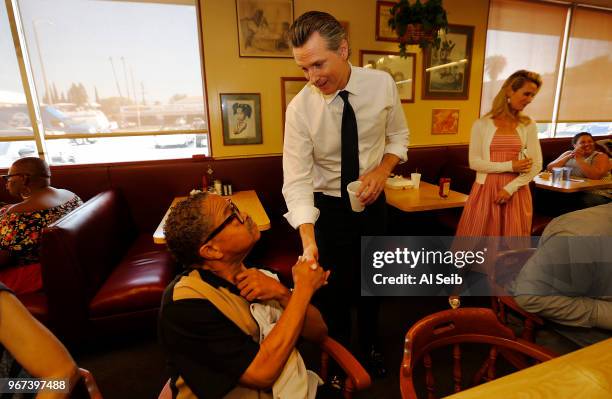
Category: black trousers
<point>338,234</point>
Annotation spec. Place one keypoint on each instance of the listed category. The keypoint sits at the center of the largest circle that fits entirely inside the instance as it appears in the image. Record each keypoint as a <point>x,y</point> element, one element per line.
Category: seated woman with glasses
<point>22,222</point>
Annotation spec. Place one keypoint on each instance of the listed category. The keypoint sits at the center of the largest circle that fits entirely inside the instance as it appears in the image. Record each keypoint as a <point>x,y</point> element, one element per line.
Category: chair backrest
<point>507,266</point>
<point>457,326</point>
<point>357,378</point>
<point>86,387</point>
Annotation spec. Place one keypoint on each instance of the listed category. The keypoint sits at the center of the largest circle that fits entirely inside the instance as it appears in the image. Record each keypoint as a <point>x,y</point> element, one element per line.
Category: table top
<point>247,201</point>
<point>586,373</point>
<point>425,198</point>
<point>573,185</point>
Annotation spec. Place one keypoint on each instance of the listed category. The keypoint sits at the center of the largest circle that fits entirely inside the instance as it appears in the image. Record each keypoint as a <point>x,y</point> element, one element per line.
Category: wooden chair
<point>357,378</point>
<point>455,327</point>
<point>85,387</point>
<point>508,263</point>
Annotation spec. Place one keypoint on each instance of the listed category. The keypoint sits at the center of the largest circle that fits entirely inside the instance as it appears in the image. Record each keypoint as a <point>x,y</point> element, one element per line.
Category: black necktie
<point>350,146</point>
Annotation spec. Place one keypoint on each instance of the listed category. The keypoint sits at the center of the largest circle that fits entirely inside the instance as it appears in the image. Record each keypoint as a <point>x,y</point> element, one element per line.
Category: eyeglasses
<point>235,214</point>
<point>7,177</point>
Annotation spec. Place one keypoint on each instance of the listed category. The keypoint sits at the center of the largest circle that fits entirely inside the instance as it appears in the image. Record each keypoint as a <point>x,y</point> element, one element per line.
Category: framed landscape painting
<point>263,27</point>
<point>402,70</point>
<point>384,33</point>
<point>446,70</point>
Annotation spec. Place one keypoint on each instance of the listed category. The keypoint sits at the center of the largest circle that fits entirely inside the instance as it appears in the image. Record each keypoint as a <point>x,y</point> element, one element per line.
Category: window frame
<point>40,137</point>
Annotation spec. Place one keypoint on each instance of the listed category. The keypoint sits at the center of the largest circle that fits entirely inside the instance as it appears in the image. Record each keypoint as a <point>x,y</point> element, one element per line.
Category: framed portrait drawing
<point>290,87</point>
<point>384,33</point>
<point>263,27</point>
<point>446,70</point>
<point>444,121</point>
<point>241,116</point>
<point>402,70</point>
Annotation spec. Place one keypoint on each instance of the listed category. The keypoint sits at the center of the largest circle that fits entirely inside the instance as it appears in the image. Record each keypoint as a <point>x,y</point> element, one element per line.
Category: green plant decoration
<point>418,23</point>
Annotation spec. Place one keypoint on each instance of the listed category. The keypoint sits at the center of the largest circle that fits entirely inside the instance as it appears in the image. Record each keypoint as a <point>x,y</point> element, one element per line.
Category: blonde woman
<point>505,153</point>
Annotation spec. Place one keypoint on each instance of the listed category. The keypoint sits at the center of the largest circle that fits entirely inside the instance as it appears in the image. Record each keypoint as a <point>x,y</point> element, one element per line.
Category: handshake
<point>308,274</point>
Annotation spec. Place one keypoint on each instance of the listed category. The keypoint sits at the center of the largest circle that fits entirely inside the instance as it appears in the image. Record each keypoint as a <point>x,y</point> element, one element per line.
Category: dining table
<point>574,184</point>
<point>424,198</point>
<point>585,373</point>
<point>247,201</point>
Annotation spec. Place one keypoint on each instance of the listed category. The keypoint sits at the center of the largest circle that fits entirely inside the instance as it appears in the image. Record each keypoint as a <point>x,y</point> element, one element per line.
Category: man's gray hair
<point>317,21</point>
<point>187,225</point>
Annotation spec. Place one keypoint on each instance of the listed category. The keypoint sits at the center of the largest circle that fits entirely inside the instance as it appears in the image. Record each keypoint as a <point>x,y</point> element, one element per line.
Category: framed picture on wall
<point>402,70</point>
<point>446,70</point>
<point>263,27</point>
<point>290,87</point>
<point>444,121</point>
<point>384,33</point>
<point>241,116</point>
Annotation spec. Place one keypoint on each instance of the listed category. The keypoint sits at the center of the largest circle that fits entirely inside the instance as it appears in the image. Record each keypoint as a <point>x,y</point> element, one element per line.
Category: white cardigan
<point>483,131</point>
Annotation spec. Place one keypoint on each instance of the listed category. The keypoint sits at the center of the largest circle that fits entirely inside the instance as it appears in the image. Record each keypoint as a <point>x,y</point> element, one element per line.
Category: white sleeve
<point>534,152</point>
<point>297,171</point>
<point>477,162</point>
<point>396,130</point>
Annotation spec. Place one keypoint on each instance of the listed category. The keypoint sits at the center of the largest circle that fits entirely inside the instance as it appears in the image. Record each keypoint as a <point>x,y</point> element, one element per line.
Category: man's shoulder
<point>306,96</point>
<point>170,300</point>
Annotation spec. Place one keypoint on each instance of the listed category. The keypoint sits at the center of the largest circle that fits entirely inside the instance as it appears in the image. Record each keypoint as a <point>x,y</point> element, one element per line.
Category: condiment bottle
<point>444,187</point>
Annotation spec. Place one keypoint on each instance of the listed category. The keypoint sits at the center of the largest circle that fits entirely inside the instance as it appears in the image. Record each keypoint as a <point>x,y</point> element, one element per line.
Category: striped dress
<point>481,216</point>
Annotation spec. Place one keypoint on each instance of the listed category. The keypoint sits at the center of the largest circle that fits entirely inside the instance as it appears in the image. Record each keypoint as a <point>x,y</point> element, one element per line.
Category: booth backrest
<point>150,186</point>
<point>79,251</point>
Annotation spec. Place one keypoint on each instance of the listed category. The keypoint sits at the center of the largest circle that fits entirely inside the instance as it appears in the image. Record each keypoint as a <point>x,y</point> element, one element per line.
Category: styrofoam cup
<point>416,179</point>
<point>352,189</point>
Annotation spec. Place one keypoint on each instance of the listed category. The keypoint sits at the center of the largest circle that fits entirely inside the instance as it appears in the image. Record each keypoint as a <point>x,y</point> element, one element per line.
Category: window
<point>14,120</point>
<point>115,80</point>
<point>586,96</point>
<point>531,35</point>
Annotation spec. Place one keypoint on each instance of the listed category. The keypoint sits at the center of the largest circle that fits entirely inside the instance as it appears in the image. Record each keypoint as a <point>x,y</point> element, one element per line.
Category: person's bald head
<point>36,168</point>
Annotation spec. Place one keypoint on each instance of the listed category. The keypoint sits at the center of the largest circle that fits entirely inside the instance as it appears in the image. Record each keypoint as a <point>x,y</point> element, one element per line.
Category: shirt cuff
<point>397,149</point>
<point>302,214</point>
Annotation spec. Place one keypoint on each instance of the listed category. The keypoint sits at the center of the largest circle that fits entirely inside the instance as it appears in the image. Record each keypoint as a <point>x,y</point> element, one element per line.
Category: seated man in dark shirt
<point>211,340</point>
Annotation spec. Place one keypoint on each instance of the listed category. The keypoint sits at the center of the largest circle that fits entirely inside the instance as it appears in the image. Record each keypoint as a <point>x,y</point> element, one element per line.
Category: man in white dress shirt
<point>312,162</point>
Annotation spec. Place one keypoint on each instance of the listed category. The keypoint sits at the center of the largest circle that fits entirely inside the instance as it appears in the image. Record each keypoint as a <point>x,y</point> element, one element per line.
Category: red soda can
<point>444,187</point>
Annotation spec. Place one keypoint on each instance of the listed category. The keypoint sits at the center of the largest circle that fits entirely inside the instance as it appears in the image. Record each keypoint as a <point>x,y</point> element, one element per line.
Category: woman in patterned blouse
<point>21,223</point>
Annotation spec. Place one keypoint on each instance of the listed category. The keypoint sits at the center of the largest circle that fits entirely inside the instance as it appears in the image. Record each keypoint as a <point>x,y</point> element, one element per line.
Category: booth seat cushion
<point>137,282</point>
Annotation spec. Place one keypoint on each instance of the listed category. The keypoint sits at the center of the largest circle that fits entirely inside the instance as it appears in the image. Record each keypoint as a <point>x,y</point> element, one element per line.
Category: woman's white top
<point>483,131</point>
